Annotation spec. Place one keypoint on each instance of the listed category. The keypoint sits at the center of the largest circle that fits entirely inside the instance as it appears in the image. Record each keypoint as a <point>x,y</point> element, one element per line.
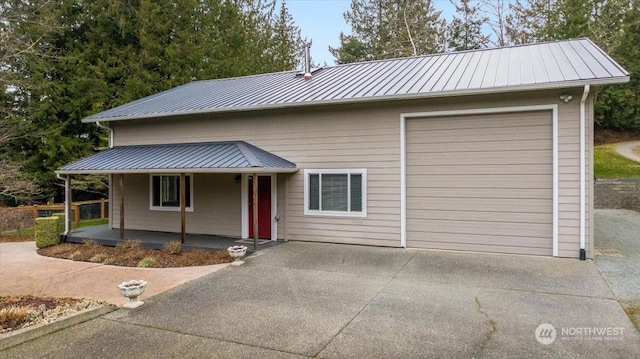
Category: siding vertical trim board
<point>553,108</point>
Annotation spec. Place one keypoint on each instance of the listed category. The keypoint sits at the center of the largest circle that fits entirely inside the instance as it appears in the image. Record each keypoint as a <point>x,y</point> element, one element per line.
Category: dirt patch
<point>604,136</point>
<point>17,312</point>
<point>609,252</point>
<point>131,254</point>
<point>633,311</point>
<point>16,238</point>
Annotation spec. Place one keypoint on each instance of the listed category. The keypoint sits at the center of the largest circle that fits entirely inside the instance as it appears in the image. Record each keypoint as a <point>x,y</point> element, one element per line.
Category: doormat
<point>250,241</point>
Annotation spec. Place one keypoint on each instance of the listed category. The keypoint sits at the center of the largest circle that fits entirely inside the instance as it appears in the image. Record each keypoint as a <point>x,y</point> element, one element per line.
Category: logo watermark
<point>547,334</point>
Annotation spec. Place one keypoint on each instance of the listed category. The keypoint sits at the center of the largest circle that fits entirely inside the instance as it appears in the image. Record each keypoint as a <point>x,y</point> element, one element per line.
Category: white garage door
<point>481,183</point>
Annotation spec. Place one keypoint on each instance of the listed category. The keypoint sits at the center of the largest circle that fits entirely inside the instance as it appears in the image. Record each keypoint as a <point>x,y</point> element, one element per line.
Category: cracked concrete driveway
<point>337,301</point>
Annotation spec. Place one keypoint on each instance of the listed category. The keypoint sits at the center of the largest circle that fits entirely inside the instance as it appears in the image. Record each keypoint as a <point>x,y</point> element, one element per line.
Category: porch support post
<point>121,207</point>
<point>255,211</point>
<point>183,207</point>
<point>67,206</point>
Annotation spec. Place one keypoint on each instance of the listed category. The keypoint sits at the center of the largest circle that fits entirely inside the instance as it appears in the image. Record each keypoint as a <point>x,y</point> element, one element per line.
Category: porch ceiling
<point>209,157</point>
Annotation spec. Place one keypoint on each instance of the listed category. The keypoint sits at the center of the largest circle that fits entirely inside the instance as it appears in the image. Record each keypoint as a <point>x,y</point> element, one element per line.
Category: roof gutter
<point>277,106</point>
<point>583,182</point>
<point>178,171</point>
<point>110,133</point>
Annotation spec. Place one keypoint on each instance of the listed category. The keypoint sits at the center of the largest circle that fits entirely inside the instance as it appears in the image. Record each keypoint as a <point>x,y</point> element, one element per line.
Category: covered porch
<point>156,240</point>
<point>153,196</point>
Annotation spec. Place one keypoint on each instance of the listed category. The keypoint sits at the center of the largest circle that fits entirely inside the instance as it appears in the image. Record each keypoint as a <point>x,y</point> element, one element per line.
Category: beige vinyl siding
<point>366,136</point>
<point>317,139</point>
<point>216,206</point>
<point>497,197</point>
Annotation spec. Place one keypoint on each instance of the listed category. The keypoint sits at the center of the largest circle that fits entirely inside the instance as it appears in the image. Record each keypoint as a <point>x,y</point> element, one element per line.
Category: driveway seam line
<point>383,287</point>
<point>199,336</point>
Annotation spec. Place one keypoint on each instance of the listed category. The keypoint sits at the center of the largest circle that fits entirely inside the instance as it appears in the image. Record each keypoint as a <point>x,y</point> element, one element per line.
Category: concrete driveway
<point>336,301</point>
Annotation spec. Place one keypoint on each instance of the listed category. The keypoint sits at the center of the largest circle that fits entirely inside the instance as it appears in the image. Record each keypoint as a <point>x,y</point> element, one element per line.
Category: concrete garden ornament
<point>132,290</point>
<point>237,253</point>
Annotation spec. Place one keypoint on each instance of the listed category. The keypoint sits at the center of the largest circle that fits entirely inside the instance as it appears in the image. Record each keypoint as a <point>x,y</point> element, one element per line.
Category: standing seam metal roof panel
<point>234,156</point>
<point>566,63</point>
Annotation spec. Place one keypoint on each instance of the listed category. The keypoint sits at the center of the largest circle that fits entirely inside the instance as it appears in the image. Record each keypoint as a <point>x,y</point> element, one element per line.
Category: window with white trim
<point>335,192</point>
<point>165,192</point>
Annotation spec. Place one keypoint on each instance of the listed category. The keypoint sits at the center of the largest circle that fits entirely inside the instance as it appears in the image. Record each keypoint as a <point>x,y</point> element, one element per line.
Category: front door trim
<point>244,182</point>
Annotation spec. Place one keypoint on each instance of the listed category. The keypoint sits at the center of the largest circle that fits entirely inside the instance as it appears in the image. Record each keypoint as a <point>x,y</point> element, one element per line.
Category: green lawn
<point>85,223</point>
<point>608,163</point>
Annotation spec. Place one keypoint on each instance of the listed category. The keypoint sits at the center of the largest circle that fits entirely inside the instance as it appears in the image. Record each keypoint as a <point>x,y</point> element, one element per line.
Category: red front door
<point>264,207</point>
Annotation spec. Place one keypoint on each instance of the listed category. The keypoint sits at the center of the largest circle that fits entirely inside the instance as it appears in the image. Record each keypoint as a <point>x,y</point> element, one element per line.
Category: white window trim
<point>360,171</point>
<point>169,209</point>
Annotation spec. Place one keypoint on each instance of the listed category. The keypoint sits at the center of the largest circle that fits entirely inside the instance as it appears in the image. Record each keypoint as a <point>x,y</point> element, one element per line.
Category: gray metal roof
<point>548,65</point>
<point>228,157</point>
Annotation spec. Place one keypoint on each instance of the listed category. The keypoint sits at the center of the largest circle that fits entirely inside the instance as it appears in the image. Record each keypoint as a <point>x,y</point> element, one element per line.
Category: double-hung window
<point>165,192</point>
<point>335,192</point>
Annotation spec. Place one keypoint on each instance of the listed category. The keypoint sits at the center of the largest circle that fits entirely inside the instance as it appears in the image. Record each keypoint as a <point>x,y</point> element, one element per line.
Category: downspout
<point>110,133</point>
<point>583,121</point>
<point>67,204</point>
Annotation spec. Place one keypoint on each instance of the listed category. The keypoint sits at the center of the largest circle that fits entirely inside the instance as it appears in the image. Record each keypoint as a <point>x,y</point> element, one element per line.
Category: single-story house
<point>486,150</point>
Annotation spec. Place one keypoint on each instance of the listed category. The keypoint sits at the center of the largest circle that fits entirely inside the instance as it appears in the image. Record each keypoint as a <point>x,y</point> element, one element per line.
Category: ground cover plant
<point>130,253</point>
<point>608,163</point>
<point>20,311</point>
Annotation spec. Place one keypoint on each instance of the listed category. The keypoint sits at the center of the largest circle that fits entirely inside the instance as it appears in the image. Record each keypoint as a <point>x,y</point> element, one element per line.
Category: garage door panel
<point>534,169</point>
<point>501,121</point>
<point>498,146</point>
<point>496,228</point>
<point>508,193</point>
<point>478,135</point>
<point>486,157</point>
<point>441,215</point>
<point>478,204</point>
<point>485,244</point>
<point>481,183</point>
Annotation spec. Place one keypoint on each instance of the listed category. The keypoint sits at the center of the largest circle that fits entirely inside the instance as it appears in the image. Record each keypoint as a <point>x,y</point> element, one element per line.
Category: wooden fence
<point>59,207</point>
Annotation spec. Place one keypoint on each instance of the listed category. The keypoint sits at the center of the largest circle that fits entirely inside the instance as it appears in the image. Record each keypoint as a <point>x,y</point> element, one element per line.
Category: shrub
<point>13,317</point>
<point>46,232</point>
<point>99,258</point>
<point>90,242</point>
<point>129,244</point>
<point>146,262</point>
<point>61,223</point>
<point>173,247</point>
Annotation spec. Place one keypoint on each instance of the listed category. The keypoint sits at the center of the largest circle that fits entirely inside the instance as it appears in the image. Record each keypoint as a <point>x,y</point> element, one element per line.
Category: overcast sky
<point>322,20</point>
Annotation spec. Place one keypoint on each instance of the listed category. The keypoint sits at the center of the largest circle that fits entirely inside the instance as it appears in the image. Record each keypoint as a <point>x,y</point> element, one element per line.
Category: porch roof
<point>208,157</point>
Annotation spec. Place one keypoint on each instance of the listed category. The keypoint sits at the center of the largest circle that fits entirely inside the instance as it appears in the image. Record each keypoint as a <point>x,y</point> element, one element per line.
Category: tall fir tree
<point>286,41</point>
<point>382,29</point>
<point>94,55</point>
<point>465,30</point>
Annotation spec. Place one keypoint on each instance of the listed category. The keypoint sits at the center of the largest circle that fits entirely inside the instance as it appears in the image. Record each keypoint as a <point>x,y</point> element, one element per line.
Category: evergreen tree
<point>382,29</point>
<point>286,41</point>
<point>94,55</point>
<point>465,30</point>
<point>529,21</point>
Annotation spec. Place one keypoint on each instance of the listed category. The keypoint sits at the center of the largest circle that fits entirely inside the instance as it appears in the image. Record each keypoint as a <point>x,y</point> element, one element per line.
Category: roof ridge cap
<point>247,152</point>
